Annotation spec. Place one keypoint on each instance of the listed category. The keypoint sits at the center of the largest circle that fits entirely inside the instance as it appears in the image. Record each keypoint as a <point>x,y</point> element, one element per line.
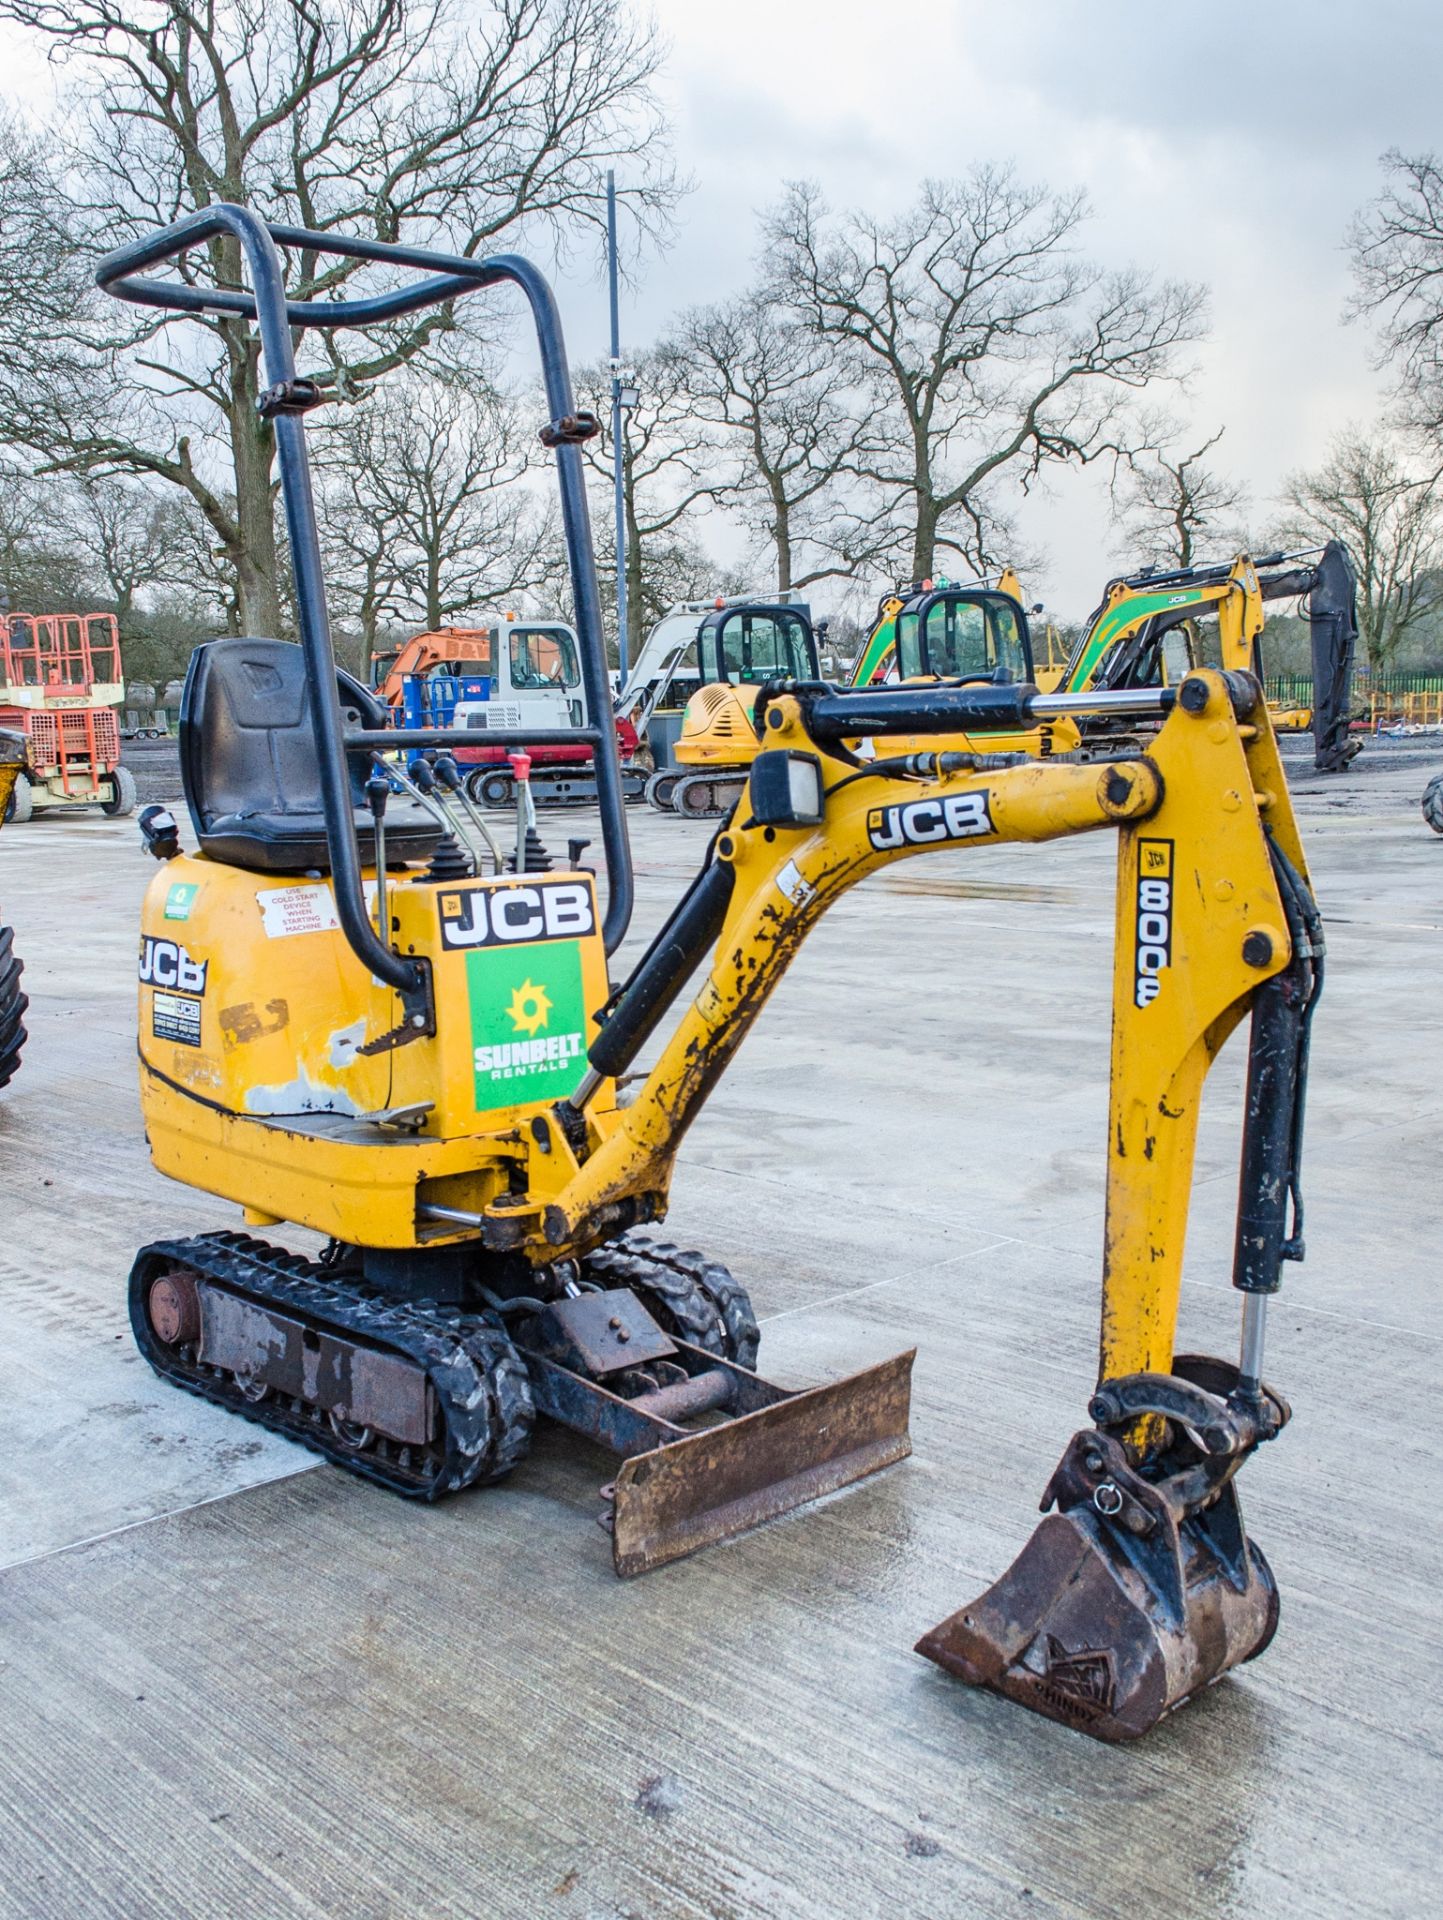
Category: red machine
<point>60,683</point>
<point>513,675</point>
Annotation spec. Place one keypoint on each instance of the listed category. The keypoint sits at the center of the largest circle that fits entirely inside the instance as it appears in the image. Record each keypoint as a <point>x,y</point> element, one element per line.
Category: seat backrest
<point>247,743</point>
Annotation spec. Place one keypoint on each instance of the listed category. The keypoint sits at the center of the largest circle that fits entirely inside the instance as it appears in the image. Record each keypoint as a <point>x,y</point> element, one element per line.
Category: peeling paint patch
<point>301,1095</point>
<point>241,1024</point>
<point>345,1044</point>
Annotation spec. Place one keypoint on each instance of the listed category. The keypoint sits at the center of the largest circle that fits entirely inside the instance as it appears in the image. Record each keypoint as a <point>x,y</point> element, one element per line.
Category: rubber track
<point>12,1007</point>
<point>481,1385</point>
<point>722,789</point>
<point>700,1298</point>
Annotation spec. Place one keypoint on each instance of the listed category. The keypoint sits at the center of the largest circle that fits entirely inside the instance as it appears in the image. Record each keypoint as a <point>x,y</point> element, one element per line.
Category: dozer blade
<point>723,1480</point>
<point>1117,1610</point>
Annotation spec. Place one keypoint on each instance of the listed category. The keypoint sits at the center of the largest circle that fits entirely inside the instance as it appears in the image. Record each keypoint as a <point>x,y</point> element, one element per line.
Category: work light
<point>787,789</point>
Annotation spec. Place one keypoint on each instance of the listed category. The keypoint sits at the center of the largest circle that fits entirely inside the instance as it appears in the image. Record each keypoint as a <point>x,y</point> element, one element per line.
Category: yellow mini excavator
<point>345,1025</point>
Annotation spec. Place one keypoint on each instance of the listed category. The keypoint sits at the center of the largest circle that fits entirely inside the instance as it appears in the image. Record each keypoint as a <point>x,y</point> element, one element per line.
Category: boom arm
<point>1201,926</point>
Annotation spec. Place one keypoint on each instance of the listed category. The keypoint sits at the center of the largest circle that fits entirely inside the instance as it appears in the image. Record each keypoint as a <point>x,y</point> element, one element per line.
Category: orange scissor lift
<point>60,684</point>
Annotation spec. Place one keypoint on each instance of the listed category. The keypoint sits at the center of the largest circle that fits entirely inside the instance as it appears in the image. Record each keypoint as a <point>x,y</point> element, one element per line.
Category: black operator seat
<point>248,762</point>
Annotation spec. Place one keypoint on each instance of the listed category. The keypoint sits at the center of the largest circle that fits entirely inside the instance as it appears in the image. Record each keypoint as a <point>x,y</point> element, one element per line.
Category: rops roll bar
<point>285,401</point>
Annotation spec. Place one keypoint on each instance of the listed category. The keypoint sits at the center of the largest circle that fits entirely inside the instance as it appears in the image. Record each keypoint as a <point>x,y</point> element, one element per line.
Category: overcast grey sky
<point>1229,144</point>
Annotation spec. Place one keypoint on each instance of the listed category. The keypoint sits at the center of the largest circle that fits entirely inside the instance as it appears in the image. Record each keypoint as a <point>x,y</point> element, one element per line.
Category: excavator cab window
<point>749,645</point>
<point>542,658</point>
<point>963,636</point>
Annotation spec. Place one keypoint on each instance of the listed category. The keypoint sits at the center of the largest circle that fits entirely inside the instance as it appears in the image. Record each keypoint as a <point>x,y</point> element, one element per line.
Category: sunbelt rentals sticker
<point>528,1021</point>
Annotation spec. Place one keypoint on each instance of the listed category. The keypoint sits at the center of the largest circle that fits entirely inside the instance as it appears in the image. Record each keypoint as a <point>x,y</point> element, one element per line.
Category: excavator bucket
<point>1125,1603</point>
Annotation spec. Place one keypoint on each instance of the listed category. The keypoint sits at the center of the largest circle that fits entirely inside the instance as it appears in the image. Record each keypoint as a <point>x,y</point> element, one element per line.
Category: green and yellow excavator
<point>1147,633</point>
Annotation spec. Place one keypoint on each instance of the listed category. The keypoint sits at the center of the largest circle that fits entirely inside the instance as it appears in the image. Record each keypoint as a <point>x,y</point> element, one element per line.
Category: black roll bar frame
<point>448,276</point>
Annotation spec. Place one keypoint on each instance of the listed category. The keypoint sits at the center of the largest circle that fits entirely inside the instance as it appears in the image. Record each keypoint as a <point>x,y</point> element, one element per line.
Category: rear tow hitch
<point>1142,1588</point>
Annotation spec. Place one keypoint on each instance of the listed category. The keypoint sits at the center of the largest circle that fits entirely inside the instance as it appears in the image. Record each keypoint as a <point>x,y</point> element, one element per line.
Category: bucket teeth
<point>1121,1606</point>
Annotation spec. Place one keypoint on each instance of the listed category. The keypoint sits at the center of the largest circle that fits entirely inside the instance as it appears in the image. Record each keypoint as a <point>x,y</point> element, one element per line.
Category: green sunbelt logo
<point>528,1021</point>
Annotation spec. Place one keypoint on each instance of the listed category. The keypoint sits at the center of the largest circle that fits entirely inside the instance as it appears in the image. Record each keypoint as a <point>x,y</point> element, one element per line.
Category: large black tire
<point>1433,803</point>
<point>688,1295</point>
<point>123,795</point>
<point>21,804</point>
<point>12,1007</point>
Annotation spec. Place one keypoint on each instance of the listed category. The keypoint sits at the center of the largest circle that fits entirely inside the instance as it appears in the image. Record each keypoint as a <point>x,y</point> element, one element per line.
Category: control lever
<point>431,789</point>
<point>525,812</point>
<point>426,797</point>
<point>448,775</point>
<point>378,792</point>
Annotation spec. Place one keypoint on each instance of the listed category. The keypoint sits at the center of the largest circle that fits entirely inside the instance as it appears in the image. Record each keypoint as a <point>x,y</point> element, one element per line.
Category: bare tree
<point>671,466</point>
<point>775,391</point>
<point>1397,248</point>
<point>131,537</point>
<point>428,504</point>
<point>1392,525</point>
<point>46,355</point>
<point>421,120</point>
<point>1164,502</point>
<point>989,347</point>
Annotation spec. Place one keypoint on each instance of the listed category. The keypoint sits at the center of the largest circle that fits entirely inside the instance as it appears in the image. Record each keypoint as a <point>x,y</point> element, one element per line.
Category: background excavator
<point>1146,633</point>
<point>740,646</point>
<point>12,1000</point>
<point>513,673</point>
<point>955,634</point>
<point>423,1065</point>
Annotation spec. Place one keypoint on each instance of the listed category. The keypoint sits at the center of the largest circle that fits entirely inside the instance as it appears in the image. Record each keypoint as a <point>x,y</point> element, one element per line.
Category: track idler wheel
<point>660,787</point>
<point>1143,1588</point>
<point>173,1308</point>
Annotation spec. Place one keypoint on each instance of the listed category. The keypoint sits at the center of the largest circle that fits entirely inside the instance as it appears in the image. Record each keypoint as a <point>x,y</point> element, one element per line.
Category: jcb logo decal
<point>1154,918</point>
<point>960,816</point>
<point>165,964</point>
<point>502,916</point>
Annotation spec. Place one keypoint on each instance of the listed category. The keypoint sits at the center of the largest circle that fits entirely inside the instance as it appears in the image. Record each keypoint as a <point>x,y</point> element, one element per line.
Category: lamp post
<point>618,454</point>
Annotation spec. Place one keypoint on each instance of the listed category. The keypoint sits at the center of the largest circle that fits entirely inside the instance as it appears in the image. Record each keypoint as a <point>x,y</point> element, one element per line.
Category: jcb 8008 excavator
<point>423,1065</point>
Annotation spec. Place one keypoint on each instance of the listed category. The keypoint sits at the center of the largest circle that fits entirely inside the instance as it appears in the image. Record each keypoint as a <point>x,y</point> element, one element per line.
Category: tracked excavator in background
<point>509,673</point>
<point>12,999</point>
<point>1145,634</point>
<point>740,646</point>
<point>960,635</point>
<point>423,1065</point>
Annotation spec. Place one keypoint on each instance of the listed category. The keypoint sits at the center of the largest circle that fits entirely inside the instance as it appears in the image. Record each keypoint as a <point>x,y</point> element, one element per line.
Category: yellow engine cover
<point>255,1020</point>
<point>716,729</point>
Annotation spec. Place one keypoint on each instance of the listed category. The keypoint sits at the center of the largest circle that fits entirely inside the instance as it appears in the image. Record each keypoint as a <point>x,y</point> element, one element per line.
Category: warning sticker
<point>528,1021</point>
<point>175,1016</point>
<point>288,910</point>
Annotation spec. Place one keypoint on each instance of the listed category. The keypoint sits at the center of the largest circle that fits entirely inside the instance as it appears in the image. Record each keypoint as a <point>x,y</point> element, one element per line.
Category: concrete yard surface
<point>236,1684</point>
